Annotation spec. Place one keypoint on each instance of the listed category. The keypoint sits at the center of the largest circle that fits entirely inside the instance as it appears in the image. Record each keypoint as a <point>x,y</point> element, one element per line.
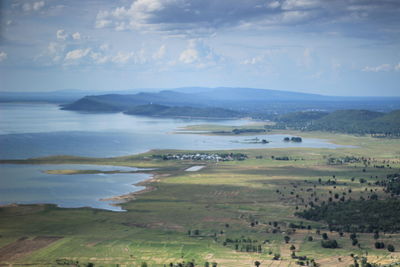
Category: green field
<point>218,214</point>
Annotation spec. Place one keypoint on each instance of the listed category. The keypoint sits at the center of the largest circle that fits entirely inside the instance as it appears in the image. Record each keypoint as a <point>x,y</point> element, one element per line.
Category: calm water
<point>33,130</point>
<point>25,184</point>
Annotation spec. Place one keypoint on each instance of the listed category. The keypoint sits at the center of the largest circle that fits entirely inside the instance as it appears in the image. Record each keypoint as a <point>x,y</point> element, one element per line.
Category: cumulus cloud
<point>33,6</point>
<point>253,60</point>
<point>380,68</point>
<point>61,34</point>
<point>99,58</point>
<point>102,23</point>
<point>160,53</point>
<point>3,56</point>
<point>55,51</point>
<point>199,54</point>
<point>195,16</point>
<point>76,36</point>
<point>77,54</point>
<point>189,55</point>
<point>123,57</point>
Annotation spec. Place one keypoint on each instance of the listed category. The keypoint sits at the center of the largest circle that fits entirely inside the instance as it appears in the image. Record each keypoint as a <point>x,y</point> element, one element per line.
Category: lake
<point>35,130</point>
<point>28,184</point>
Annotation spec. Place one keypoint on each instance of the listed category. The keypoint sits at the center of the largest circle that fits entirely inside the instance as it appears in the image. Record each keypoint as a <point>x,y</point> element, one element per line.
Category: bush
<point>276,257</point>
<point>329,243</point>
<point>390,248</point>
<point>379,245</point>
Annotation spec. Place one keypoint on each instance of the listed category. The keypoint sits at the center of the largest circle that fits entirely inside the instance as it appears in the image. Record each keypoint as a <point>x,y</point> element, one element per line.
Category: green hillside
<point>344,121</point>
<point>165,111</point>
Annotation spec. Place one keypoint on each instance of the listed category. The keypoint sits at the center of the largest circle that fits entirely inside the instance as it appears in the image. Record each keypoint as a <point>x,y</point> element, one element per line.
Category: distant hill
<point>165,111</point>
<point>60,96</point>
<point>301,117</point>
<point>92,104</point>
<point>344,121</point>
<point>258,103</point>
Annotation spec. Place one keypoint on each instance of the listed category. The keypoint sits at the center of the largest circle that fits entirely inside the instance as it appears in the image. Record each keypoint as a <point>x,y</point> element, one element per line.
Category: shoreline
<point>115,201</point>
<point>132,195</point>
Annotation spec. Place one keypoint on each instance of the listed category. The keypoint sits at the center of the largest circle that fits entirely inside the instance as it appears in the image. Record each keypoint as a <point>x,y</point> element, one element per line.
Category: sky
<point>335,47</point>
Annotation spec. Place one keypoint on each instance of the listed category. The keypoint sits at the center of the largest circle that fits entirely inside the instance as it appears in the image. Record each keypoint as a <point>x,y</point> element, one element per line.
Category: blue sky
<point>334,47</point>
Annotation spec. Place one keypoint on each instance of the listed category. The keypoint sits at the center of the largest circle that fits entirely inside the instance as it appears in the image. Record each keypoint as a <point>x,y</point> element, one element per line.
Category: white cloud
<point>253,60</point>
<point>383,67</point>
<point>76,36</point>
<point>38,5</point>
<point>397,67</point>
<point>121,26</point>
<point>3,56</point>
<point>198,53</point>
<point>300,4</point>
<point>274,4</point>
<point>189,55</point>
<point>104,47</point>
<point>61,34</point>
<point>133,17</point>
<point>77,54</point>
<point>35,6</point>
<point>55,48</point>
<point>122,57</point>
<point>99,58</point>
<point>160,53</point>
<point>102,23</point>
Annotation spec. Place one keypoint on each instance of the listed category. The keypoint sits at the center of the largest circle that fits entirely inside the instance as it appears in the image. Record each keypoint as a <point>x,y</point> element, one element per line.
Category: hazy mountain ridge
<point>258,102</point>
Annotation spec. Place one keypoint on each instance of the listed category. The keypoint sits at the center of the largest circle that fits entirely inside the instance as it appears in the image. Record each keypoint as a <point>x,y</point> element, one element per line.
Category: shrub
<point>329,243</point>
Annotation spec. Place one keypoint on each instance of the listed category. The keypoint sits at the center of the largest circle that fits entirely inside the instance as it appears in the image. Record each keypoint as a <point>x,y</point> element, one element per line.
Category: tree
<point>325,236</point>
<point>310,238</point>
<point>287,239</point>
<point>390,248</point>
<point>144,264</point>
<point>257,263</point>
<point>379,245</point>
<point>329,243</point>
<point>292,247</point>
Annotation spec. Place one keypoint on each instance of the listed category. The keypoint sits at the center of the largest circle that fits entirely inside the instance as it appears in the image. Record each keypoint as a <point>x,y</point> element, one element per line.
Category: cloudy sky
<point>335,47</point>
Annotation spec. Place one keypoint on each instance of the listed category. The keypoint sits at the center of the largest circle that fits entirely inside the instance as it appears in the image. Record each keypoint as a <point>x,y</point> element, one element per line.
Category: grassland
<point>235,200</point>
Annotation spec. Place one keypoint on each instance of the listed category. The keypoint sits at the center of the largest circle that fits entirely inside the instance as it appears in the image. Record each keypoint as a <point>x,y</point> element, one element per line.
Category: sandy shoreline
<point>132,196</point>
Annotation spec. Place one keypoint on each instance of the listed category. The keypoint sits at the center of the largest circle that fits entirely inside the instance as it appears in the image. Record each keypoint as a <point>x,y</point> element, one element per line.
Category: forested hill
<point>344,121</point>
<point>183,112</point>
<point>261,103</point>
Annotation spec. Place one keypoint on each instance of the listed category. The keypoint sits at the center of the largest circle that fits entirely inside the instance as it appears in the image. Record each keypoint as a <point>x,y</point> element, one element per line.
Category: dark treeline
<point>377,124</point>
<point>357,215</point>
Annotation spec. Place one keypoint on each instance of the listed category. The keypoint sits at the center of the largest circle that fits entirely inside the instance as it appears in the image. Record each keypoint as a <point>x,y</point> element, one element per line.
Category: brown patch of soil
<point>25,246</point>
